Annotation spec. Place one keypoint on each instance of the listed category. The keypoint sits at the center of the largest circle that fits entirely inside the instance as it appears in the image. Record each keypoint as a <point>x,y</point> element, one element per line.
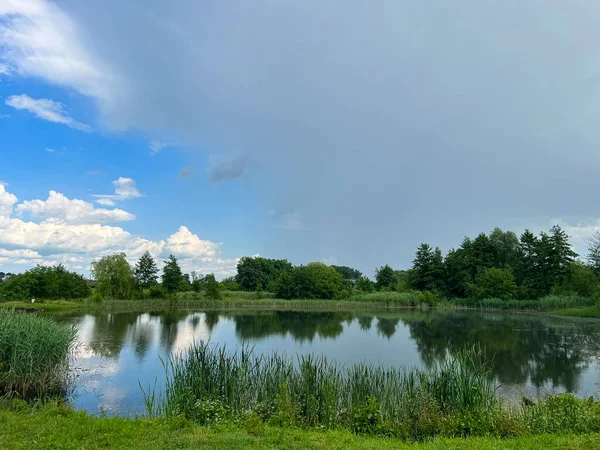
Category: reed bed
<point>34,356</point>
<point>208,383</point>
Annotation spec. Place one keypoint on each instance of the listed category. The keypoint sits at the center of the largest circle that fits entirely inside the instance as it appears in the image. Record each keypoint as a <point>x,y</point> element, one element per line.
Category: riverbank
<point>57,427</point>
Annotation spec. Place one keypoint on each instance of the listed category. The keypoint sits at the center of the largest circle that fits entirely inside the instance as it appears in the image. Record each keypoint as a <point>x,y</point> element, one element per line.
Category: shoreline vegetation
<point>573,306</point>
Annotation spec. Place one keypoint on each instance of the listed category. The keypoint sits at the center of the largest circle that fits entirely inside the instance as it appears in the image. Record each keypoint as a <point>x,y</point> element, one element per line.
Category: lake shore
<point>246,302</point>
<point>53,426</point>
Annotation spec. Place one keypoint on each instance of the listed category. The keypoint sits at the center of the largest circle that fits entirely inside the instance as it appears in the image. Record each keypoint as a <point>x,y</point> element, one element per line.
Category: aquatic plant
<point>34,355</point>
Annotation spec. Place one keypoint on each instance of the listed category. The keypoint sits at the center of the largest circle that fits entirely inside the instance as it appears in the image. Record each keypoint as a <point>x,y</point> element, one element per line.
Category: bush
<point>34,355</point>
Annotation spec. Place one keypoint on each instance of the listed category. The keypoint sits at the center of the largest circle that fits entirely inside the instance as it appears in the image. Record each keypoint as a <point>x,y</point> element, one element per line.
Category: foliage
<point>581,280</point>
<point>146,271</point>
<point>313,281</point>
<point>172,276</point>
<point>114,277</point>
<point>428,269</point>
<point>229,284</point>
<point>385,278</point>
<point>364,284</point>
<point>255,272</point>
<point>348,273</point>
<point>212,287</point>
<point>43,282</point>
<point>494,283</point>
<point>34,355</point>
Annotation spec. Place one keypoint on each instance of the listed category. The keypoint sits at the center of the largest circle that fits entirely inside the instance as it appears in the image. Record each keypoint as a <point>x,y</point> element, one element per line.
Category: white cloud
<point>68,236</point>
<point>58,206</point>
<point>198,255</point>
<point>5,69</point>
<point>40,40</point>
<point>49,150</point>
<point>7,200</point>
<point>124,189</point>
<point>46,109</point>
<point>106,202</point>
<point>157,145</point>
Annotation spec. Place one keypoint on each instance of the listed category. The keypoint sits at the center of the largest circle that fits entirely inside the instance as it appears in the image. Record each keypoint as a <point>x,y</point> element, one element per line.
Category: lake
<point>528,353</point>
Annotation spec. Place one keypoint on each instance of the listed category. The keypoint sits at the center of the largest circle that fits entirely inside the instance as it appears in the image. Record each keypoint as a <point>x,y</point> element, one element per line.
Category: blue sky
<point>344,132</point>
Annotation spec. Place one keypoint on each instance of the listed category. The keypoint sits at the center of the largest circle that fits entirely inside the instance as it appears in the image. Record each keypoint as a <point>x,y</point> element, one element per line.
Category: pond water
<point>532,354</point>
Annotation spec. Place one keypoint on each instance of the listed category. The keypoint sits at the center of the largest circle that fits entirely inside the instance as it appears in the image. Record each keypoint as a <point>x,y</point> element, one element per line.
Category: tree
<point>348,273</point>
<point>146,271</point>
<point>593,248</point>
<point>171,279</point>
<point>427,273</point>
<point>364,284</point>
<point>494,283</point>
<point>114,277</point>
<point>229,284</point>
<point>505,245</point>
<point>44,282</point>
<point>385,278</point>
<point>212,287</point>
<point>581,280</point>
<point>313,281</point>
<point>255,273</point>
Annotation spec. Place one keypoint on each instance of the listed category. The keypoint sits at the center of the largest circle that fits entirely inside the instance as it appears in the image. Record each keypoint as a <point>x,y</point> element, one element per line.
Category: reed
<point>34,356</point>
<point>208,383</point>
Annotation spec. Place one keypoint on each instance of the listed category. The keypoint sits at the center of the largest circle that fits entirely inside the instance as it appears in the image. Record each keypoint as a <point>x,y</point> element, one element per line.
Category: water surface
<point>533,354</point>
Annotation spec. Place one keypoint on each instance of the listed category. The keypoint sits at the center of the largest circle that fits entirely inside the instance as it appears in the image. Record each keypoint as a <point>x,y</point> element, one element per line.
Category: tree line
<point>498,265</point>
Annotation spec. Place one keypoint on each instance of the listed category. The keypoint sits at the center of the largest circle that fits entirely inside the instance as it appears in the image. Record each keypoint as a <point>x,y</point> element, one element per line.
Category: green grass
<point>34,355</point>
<point>57,427</point>
<point>592,311</point>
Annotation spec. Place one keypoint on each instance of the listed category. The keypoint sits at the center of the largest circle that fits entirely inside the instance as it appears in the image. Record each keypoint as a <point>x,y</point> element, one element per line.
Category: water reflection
<point>119,349</point>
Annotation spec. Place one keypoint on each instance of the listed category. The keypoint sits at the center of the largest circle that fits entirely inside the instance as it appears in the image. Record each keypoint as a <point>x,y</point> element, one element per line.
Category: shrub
<point>494,283</point>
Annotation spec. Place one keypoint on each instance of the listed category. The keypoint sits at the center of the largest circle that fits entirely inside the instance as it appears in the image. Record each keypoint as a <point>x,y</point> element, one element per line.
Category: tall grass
<point>34,355</point>
<point>409,298</point>
<point>547,303</point>
<point>208,383</point>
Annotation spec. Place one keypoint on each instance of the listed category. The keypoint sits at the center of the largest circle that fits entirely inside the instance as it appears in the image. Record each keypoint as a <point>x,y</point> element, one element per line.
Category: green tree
<point>44,282</point>
<point>254,273</point>
<point>364,284</point>
<point>313,281</point>
<point>581,280</point>
<point>385,278</point>
<point>146,271</point>
<point>494,283</point>
<point>229,284</point>
<point>505,245</point>
<point>427,273</point>
<point>172,276</point>
<point>593,255</point>
<point>212,287</point>
<point>114,277</point>
<point>348,273</point>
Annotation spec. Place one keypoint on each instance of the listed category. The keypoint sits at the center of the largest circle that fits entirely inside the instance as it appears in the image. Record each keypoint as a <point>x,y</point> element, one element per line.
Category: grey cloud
<point>228,167</point>
<point>384,123</point>
<point>186,172</point>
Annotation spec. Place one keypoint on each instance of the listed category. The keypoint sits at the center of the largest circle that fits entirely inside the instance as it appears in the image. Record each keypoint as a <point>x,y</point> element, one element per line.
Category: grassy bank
<point>56,427</point>
<point>34,355</point>
<point>592,312</point>
<point>373,301</point>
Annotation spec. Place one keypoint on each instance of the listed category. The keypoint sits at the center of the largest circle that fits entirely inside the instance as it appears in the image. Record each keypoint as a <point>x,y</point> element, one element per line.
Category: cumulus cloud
<point>228,167</point>
<point>199,255</point>
<point>58,206</point>
<point>46,109</point>
<point>7,200</point>
<point>125,189</point>
<point>72,233</point>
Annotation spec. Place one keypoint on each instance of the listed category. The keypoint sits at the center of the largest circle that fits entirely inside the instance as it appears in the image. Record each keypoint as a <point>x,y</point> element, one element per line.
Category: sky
<point>346,132</point>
